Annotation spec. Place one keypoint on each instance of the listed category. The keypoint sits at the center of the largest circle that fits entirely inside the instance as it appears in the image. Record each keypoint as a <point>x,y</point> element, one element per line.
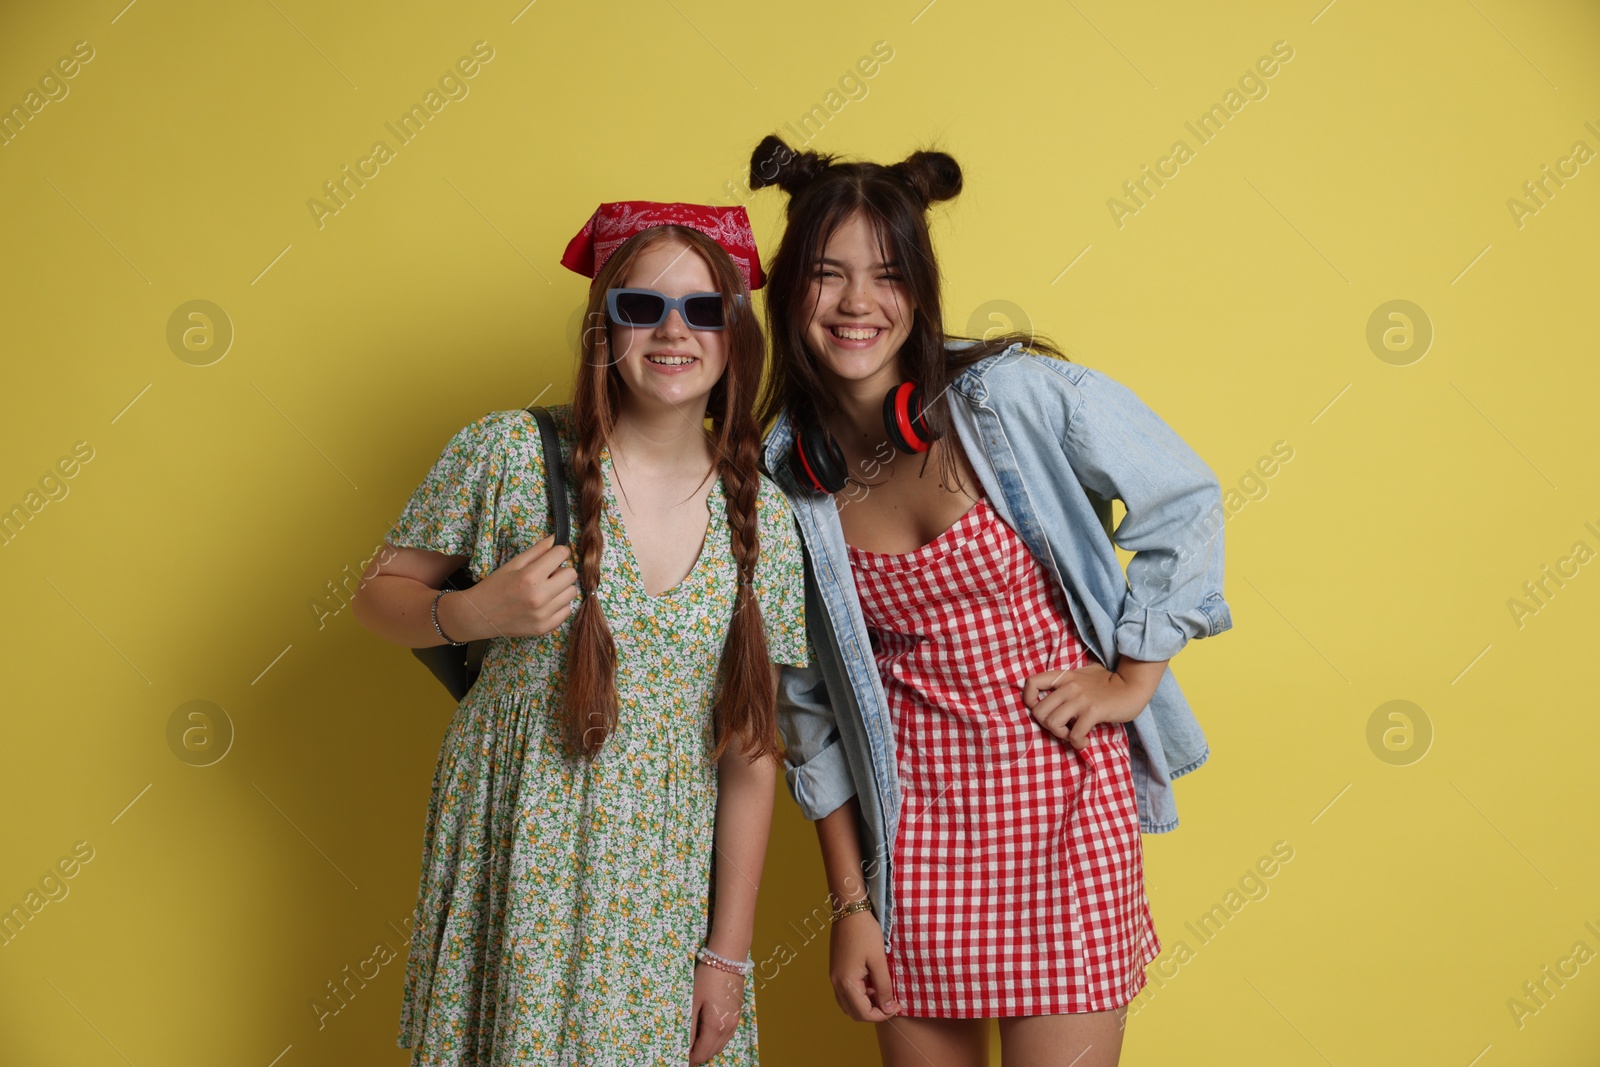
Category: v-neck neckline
<point>714,498</point>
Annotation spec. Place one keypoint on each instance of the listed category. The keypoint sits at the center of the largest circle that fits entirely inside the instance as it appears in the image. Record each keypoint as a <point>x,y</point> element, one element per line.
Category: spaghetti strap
<point>1017,869</point>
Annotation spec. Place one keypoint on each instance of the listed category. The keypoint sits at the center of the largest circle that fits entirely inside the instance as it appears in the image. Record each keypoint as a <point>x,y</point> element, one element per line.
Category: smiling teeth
<point>850,334</point>
<point>671,361</point>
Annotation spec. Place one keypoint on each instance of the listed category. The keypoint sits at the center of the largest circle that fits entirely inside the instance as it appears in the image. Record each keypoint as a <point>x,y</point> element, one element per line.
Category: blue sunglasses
<point>647,308</point>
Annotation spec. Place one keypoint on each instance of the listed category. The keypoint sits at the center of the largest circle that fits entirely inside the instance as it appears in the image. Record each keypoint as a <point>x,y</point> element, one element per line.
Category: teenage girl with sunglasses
<point>989,722</point>
<point>601,804</point>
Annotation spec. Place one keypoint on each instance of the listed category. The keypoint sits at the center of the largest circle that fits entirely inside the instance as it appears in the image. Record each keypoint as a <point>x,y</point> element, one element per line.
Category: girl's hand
<point>1071,703</point>
<point>858,969</point>
<point>718,1001</point>
<point>529,595</point>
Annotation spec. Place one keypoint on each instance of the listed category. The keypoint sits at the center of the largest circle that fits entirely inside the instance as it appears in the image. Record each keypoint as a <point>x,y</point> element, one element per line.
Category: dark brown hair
<point>895,200</point>
<point>744,704</point>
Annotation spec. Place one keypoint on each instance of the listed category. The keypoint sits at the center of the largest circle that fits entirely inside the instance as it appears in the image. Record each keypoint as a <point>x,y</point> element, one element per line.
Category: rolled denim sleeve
<point>1121,449</point>
<point>815,768</point>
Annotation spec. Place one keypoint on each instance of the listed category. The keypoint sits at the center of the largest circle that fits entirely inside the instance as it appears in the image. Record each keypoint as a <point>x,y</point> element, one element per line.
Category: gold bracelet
<point>864,904</point>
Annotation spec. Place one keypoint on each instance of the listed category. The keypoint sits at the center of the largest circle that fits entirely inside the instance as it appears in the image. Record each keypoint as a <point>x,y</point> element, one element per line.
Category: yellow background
<point>221,499</point>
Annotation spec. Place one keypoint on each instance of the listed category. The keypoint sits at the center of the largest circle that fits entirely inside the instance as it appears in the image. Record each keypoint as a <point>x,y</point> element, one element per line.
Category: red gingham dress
<point>1018,872</point>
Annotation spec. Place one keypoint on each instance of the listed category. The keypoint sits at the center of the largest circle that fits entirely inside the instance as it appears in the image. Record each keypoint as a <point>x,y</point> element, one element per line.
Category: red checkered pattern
<point>1018,872</point>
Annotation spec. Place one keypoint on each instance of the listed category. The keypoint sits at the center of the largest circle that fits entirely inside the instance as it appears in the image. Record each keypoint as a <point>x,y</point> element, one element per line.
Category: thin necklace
<point>615,455</point>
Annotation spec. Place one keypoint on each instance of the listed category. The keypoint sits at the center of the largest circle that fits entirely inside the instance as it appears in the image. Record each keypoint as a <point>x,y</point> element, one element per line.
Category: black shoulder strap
<point>555,483</point>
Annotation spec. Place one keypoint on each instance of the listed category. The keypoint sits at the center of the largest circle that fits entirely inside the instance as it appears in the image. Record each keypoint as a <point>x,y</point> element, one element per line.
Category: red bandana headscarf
<point>612,224</point>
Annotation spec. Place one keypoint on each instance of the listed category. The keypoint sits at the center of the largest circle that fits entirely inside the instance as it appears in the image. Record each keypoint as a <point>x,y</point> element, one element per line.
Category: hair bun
<point>934,175</point>
<point>775,163</point>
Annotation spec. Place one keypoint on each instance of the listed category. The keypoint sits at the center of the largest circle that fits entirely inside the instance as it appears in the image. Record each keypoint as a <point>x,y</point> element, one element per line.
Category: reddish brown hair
<point>744,702</point>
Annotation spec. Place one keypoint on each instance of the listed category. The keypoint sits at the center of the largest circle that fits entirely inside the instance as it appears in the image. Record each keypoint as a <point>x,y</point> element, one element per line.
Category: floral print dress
<point>561,899</point>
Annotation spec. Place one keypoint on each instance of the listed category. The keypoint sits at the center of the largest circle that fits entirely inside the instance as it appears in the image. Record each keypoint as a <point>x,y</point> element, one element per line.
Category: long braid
<point>590,699</point>
<point>746,706</point>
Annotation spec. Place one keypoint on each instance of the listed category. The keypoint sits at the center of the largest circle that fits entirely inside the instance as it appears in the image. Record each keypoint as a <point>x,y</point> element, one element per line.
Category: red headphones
<point>818,462</point>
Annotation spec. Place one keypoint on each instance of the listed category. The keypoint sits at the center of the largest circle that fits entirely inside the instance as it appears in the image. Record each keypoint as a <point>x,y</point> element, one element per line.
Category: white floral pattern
<point>561,899</point>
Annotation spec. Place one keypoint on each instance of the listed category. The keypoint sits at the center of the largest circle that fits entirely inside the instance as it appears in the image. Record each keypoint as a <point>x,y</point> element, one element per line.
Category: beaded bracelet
<point>723,963</point>
<point>434,611</point>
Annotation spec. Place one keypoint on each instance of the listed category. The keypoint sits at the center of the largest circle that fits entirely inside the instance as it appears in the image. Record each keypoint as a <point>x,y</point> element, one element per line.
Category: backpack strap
<point>555,482</point>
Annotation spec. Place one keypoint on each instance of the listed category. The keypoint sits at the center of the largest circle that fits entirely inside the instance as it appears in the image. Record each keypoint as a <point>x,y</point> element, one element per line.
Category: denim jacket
<point>1052,443</point>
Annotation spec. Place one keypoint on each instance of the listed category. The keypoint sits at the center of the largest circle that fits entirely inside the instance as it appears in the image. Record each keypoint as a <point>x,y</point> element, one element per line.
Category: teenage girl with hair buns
<point>601,804</point>
<point>988,722</point>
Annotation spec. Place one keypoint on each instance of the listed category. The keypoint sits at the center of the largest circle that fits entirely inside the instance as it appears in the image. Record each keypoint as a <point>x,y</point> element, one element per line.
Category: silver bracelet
<point>723,963</point>
<point>434,611</point>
